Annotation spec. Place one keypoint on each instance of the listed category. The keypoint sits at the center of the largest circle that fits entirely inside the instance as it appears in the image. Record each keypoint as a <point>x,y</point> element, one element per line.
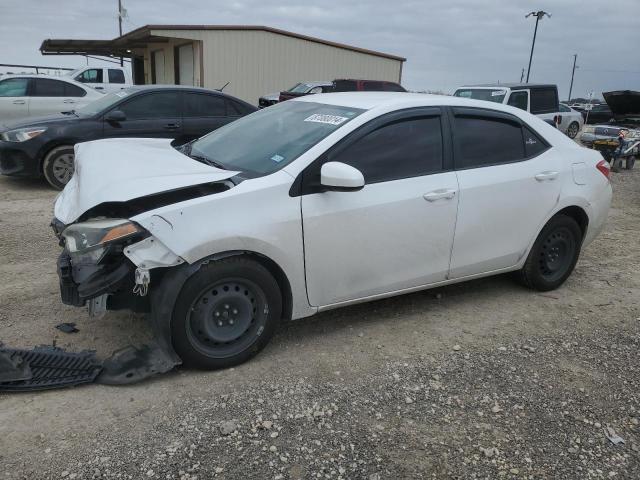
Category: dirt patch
<point>374,391</point>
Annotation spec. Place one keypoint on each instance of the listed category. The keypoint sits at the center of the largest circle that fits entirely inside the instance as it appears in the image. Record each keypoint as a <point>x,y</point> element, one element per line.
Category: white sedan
<point>571,121</point>
<point>23,96</point>
<point>320,202</point>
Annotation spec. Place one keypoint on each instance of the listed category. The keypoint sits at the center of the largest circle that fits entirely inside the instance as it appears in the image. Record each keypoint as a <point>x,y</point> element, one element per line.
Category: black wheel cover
<point>225,318</point>
<point>557,254</point>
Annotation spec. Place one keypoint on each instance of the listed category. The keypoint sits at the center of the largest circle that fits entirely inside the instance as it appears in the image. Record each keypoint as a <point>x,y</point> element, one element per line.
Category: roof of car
<point>510,85</point>
<point>63,78</point>
<point>397,100</point>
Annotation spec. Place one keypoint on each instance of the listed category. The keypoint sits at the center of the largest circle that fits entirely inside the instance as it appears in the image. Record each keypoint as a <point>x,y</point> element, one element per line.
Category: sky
<point>447,43</point>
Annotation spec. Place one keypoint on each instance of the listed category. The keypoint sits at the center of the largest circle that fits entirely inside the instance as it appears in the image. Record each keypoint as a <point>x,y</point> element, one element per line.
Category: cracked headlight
<point>91,238</point>
<point>22,134</point>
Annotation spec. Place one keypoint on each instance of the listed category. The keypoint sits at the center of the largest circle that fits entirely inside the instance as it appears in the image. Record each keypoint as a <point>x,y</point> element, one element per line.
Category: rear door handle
<point>542,176</point>
<point>439,194</point>
<point>99,88</point>
<point>68,100</point>
<point>19,102</point>
<point>172,126</point>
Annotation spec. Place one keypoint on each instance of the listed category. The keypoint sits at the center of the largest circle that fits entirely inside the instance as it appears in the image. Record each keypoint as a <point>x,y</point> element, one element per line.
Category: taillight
<point>603,166</point>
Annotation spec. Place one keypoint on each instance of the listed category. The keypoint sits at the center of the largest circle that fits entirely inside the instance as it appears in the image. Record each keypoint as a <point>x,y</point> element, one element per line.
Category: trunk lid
<point>118,170</point>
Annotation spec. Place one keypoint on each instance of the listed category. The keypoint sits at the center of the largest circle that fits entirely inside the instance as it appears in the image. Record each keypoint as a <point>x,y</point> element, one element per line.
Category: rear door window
<point>487,140</point>
<point>116,76</point>
<point>152,105</point>
<point>203,105</point>
<point>73,91</point>
<point>544,100</point>
<point>402,149</point>
<point>45,87</point>
<point>14,87</point>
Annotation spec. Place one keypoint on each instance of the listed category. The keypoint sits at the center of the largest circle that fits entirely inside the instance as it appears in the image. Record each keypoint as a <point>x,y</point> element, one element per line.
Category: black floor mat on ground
<point>51,367</point>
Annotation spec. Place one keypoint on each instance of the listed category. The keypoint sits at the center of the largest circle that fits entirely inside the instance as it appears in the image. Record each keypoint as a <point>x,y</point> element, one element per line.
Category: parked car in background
<point>268,100</point>
<point>624,106</point>
<point>306,88</point>
<point>30,95</point>
<point>341,85</point>
<point>396,192</point>
<point>597,114</point>
<point>571,121</point>
<point>540,100</point>
<point>103,79</point>
<point>45,146</point>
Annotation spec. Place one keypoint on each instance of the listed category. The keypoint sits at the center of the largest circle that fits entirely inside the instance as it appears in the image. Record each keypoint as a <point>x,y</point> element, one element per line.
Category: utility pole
<point>539,16</point>
<point>573,72</point>
<point>120,25</point>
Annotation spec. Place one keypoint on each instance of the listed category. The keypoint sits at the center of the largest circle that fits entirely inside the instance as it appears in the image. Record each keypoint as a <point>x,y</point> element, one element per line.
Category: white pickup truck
<point>103,79</point>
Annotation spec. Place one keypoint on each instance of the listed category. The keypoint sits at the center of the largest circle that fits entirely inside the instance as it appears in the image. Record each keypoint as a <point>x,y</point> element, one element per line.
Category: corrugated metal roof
<point>132,39</point>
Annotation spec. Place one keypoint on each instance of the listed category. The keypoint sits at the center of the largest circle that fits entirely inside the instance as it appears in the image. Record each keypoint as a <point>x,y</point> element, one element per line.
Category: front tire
<point>58,166</point>
<point>225,313</point>
<point>573,129</point>
<point>554,254</point>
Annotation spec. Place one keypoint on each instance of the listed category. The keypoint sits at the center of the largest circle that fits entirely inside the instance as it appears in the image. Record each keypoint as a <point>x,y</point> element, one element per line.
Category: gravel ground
<point>478,380</point>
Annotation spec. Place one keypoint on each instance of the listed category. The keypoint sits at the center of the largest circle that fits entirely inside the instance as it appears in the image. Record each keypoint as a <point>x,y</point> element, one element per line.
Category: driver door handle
<point>19,102</point>
<point>172,126</point>
<point>548,175</point>
<point>439,194</point>
<point>69,100</point>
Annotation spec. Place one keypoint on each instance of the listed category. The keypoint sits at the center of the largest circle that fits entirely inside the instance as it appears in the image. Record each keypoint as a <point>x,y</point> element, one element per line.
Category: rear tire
<point>553,255</point>
<point>58,166</point>
<point>225,313</point>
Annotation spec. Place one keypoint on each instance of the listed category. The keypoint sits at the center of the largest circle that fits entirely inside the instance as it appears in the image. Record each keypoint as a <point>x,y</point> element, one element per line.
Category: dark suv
<point>342,85</point>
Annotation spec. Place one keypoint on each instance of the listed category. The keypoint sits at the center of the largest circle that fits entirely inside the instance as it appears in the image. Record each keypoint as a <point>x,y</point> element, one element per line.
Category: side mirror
<point>340,177</point>
<point>115,116</point>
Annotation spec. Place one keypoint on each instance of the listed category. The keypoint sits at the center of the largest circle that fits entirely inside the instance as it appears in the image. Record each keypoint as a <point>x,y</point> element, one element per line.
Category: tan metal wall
<point>169,71</point>
<point>259,62</point>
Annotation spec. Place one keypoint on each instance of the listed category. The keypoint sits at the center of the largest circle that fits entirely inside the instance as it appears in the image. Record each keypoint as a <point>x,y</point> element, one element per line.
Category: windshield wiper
<point>208,161</point>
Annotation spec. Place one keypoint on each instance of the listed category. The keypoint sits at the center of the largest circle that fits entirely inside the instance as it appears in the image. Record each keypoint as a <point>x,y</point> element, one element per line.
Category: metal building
<point>254,60</point>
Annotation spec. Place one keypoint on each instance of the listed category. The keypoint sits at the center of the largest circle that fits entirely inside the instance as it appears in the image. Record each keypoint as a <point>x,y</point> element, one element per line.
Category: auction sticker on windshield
<point>329,119</point>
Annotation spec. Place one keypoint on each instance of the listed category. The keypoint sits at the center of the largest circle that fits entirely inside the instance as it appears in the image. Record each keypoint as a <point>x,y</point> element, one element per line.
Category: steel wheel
<point>226,318</point>
<point>557,254</point>
<point>553,255</point>
<point>573,129</point>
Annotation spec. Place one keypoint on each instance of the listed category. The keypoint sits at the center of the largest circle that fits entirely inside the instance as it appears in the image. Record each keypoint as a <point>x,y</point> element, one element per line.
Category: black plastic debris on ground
<point>67,327</point>
<point>133,364</point>
<point>49,367</point>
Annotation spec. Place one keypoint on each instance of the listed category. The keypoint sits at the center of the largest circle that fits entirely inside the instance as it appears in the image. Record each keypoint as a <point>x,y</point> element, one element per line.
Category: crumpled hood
<point>118,170</point>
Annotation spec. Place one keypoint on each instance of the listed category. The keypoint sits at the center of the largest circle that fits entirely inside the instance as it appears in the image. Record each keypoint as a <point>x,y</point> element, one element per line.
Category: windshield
<point>102,103</point>
<point>299,88</point>
<point>487,94</point>
<point>269,139</point>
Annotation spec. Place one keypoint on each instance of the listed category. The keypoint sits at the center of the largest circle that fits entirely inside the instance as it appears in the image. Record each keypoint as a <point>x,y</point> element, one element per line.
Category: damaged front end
<point>92,266</point>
